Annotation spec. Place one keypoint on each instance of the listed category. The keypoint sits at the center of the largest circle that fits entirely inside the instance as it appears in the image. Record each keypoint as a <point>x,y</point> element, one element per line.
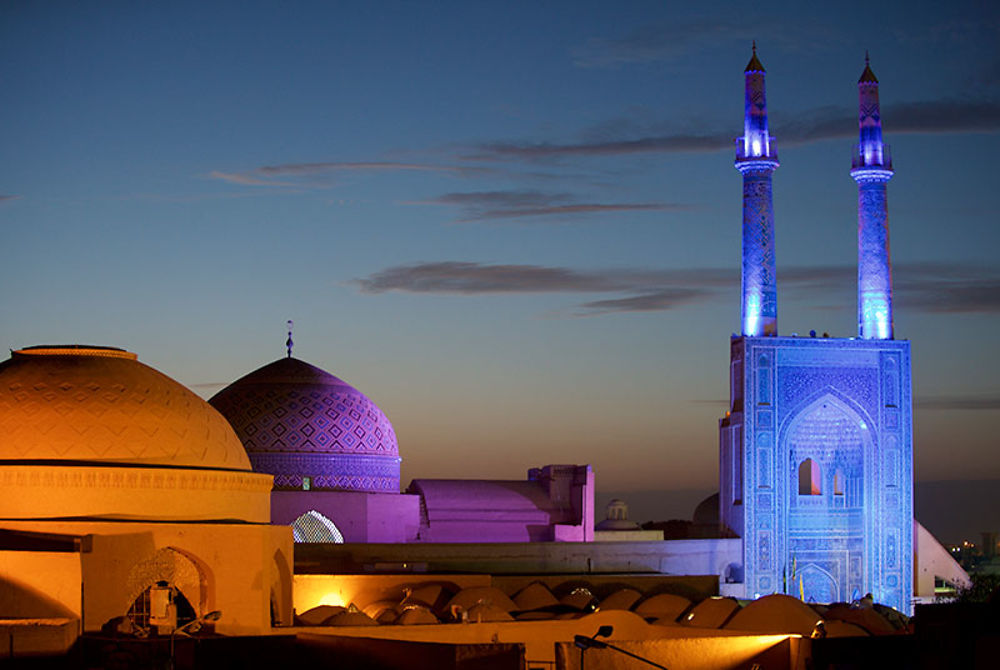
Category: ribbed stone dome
<point>311,430</point>
<point>100,404</point>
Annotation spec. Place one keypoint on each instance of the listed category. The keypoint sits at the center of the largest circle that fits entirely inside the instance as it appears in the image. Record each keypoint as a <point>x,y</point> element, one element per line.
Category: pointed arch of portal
<point>810,401</point>
<point>818,584</point>
<point>827,533</point>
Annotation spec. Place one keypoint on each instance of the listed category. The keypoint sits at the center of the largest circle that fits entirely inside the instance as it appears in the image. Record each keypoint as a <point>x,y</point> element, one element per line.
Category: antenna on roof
<point>288,343</point>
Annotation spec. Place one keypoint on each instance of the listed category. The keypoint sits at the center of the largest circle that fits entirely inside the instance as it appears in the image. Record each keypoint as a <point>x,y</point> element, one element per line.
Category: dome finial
<point>288,343</point>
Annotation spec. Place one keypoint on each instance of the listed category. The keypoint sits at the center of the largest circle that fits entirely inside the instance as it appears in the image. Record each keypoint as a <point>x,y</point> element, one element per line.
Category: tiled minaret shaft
<point>871,168</point>
<point>756,159</point>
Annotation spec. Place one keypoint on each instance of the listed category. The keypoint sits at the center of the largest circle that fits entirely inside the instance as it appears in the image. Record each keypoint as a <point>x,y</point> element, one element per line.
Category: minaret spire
<point>871,168</point>
<point>757,159</point>
<point>288,343</point>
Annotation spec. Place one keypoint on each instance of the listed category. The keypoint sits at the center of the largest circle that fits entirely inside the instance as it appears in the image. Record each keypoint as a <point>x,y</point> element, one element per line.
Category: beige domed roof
<point>99,404</point>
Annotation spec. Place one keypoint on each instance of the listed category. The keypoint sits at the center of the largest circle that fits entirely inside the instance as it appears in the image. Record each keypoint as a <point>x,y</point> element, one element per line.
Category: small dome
<point>310,429</point>
<point>100,404</point>
<point>616,517</point>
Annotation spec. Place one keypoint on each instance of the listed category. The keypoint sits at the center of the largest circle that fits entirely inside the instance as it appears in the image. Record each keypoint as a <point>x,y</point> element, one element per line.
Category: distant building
<point>617,527</point>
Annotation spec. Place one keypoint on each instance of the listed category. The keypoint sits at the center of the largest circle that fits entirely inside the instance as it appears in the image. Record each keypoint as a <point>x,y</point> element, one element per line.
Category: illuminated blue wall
<point>839,412</point>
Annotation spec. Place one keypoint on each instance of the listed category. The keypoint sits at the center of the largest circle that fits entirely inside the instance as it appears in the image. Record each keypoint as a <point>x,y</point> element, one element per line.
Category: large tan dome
<point>99,404</point>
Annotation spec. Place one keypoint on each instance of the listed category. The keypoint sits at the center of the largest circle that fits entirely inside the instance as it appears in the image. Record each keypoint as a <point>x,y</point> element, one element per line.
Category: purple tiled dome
<point>311,430</point>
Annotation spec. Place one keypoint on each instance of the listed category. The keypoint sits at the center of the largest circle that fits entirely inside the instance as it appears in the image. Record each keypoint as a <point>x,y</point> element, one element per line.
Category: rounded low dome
<point>310,429</point>
<point>616,517</point>
<point>100,404</point>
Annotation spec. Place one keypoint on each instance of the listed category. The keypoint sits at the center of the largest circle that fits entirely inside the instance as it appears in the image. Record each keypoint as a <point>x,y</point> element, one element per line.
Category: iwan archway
<point>827,446</point>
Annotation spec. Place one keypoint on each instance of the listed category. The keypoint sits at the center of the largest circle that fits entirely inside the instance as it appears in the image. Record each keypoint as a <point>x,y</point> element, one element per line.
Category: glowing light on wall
<point>751,320</point>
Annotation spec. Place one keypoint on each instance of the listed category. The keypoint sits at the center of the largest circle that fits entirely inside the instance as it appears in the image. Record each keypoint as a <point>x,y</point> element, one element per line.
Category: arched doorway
<point>169,573</point>
<point>154,600</point>
<point>826,445</point>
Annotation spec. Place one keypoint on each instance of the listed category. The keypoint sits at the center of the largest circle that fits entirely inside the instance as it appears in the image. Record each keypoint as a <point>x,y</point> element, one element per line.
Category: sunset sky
<point>515,226</point>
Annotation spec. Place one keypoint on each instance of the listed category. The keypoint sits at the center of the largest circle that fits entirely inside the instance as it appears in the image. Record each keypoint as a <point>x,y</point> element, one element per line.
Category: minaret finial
<point>288,343</point>
<point>866,58</point>
<point>754,47</point>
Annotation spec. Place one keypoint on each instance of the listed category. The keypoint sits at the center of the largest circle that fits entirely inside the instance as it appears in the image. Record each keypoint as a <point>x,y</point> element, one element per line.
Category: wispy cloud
<point>651,290</point>
<point>494,205</point>
<point>683,143</point>
<point>964,402</point>
<point>246,179</point>
<point>655,301</point>
<point>319,175</point>
<point>821,123</point>
<point>947,116</point>
<point>360,166</point>
<point>947,288</point>
<point>5,198</point>
<point>475,278</point>
<point>919,287</point>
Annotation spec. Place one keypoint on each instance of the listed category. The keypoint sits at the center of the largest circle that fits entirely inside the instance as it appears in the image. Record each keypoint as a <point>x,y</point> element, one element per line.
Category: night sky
<point>514,226</point>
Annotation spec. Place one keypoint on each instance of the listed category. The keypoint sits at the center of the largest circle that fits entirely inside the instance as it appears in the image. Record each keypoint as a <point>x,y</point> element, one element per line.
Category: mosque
<point>123,490</point>
<point>816,450</point>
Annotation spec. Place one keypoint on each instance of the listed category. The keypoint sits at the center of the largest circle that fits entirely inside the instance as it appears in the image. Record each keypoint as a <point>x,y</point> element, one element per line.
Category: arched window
<point>838,483</point>
<point>809,478</point>
<point>314,527</point>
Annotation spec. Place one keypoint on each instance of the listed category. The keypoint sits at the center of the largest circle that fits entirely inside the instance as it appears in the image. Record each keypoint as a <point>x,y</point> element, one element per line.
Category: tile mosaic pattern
<point>296,421</point>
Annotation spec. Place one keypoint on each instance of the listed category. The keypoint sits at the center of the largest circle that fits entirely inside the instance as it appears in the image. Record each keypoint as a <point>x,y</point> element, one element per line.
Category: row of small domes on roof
<point>100,404</point>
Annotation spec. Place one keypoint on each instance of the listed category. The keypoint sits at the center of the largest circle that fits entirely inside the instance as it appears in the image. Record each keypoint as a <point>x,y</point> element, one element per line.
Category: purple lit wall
<point>756,159</point>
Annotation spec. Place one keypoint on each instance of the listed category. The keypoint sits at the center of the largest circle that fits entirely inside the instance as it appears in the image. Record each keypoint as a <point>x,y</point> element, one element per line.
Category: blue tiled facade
<point>816,457</point>
<point>816,450</point>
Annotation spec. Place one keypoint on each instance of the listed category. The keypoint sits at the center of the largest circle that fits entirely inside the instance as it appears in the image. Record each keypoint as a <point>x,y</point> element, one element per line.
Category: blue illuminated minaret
<point>871,167</point>
<point>756,159</point>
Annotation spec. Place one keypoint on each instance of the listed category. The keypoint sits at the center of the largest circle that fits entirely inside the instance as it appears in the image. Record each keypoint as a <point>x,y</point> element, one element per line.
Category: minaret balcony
<point>871,155</point>
<point>756,150</point>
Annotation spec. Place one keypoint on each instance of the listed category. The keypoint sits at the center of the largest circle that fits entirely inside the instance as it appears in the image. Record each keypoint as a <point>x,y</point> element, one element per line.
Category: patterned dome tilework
<point>101,404</point>
<point>296,420</point>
